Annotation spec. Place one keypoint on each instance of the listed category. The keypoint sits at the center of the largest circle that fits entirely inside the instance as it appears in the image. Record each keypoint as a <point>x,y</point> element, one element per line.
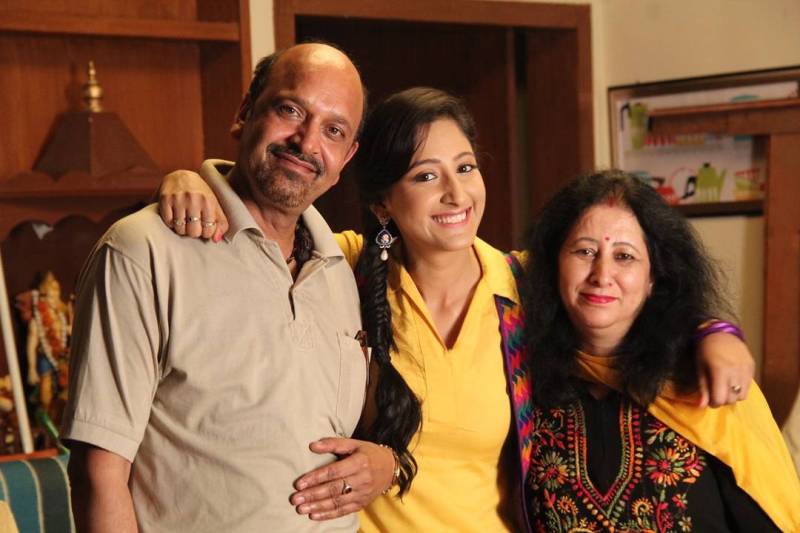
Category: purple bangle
<point>717,326</point>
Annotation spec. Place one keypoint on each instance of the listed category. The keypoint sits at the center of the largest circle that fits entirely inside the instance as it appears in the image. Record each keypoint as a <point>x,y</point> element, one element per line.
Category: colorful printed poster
<point>694,168</point>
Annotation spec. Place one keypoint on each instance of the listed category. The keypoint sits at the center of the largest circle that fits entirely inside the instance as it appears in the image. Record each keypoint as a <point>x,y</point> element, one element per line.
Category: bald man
<point>201,373</point>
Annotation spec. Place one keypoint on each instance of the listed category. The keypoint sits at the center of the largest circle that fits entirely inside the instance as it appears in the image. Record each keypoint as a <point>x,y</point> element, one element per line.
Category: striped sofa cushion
<point>37,490</point>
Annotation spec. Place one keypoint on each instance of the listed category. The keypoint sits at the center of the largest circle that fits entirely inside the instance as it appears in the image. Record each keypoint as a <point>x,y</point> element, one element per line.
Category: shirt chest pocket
<point>352,382</point>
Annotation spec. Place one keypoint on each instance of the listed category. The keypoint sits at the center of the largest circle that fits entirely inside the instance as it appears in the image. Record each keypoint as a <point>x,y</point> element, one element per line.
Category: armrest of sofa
<point>36,488</point>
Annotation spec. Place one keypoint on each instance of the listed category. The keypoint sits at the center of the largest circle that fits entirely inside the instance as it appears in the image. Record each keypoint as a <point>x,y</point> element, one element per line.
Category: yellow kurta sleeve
<point>351,244</point>
<point>791,433</point>
<point>745,437</point>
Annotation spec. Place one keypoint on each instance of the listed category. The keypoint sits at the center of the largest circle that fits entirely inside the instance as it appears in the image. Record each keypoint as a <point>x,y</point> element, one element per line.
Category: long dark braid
<point>398,412</point>
<point>303,244</point>
<point>392,133</point>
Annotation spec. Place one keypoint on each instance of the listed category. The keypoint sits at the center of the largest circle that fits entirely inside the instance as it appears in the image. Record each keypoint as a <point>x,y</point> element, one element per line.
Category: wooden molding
<point>759,117</point>
<point>781,367</point>
<point>748,207</point>
<point>494,13</point>
<point>490,13</point>
<point>20,21</point>
<point>41,454</point>
<point>76,184</point>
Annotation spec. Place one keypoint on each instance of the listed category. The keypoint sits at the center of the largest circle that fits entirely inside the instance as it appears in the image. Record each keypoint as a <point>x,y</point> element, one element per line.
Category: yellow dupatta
<point>744,436</point>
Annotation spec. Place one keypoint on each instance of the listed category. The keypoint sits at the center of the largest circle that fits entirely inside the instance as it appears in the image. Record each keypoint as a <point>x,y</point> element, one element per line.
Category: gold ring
<point>209,223</point>
<point>178,222</point>
<point>347,488</point>
<point>192,219</point>
<point>736,389</point>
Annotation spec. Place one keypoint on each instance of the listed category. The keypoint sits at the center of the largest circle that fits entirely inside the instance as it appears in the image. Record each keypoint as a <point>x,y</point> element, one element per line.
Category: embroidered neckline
<point>650,491</point>
<point>630,467</point>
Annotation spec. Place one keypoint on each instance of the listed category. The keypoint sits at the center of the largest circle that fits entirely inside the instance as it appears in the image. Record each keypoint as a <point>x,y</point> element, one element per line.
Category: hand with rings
<point>188,205</point>
<point>725,370</point>
<point>363,471</point>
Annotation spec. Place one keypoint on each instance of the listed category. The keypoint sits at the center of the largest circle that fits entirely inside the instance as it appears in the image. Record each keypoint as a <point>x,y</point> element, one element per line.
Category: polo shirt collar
<point>496,271</point>
<point>216,172</point>
<point>324,242</point>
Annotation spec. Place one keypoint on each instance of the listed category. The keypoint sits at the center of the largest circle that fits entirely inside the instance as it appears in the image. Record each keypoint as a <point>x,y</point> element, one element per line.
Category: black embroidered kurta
<point>609,465</point>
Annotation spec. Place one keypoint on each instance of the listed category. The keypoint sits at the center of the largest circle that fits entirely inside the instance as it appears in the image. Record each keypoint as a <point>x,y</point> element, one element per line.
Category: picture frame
<point>701,174</point>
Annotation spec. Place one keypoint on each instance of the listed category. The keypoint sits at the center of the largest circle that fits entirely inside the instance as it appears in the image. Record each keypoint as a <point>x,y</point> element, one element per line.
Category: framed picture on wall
<point>703,173</point>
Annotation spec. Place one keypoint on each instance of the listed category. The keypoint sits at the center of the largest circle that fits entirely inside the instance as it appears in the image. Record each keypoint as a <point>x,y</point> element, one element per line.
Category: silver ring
<point>736,389</point>
<point>347,488</point>
<point>178,222</point>
<point>209,223</point>
<point>192,219</point>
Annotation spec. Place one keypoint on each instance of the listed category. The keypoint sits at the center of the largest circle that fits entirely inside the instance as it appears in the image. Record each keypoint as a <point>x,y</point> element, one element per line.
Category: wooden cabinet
<point>173,70</point>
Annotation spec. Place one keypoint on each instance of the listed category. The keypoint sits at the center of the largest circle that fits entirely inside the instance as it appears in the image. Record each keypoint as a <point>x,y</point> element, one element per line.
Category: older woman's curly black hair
<point>686,290</point>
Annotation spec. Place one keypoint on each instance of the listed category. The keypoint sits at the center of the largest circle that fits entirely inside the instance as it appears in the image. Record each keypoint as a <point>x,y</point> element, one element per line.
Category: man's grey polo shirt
<point>211,370</point>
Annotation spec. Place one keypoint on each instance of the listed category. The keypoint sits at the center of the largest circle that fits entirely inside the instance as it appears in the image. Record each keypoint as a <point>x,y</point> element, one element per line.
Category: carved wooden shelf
<point>172,72</point>
<point>188,30</point>
<point>38,197</point>
<point>32,185</point>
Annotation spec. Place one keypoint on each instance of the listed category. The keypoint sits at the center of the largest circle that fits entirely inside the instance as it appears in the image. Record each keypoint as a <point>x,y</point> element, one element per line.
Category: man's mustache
<point>281,149</point>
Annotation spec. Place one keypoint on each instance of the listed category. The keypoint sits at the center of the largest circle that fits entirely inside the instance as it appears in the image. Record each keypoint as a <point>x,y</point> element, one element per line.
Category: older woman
<point>431,304</point>
<point>617,282</point>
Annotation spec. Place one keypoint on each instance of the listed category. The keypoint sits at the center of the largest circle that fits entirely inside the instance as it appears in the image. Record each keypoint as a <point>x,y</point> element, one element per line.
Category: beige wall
<point>649,40</point>
<point>262,30</point>
<point>737,243</point>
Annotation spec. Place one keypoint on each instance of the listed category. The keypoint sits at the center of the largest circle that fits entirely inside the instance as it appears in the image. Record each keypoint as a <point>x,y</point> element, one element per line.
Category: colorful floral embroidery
<point>551,471</point>
<point>657,469</point>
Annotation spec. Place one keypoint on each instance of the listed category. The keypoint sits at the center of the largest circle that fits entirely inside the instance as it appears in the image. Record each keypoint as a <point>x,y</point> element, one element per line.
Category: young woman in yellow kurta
<point>437,296</point>
<point>419,174</point>
<point>465,408</point>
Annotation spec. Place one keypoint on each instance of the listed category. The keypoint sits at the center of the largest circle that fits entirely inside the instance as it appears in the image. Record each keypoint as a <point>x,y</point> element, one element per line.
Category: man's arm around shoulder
<point>101,500</point>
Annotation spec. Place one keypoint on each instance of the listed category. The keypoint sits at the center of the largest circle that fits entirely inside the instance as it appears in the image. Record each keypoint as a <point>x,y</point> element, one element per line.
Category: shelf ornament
<point>93,141</point>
